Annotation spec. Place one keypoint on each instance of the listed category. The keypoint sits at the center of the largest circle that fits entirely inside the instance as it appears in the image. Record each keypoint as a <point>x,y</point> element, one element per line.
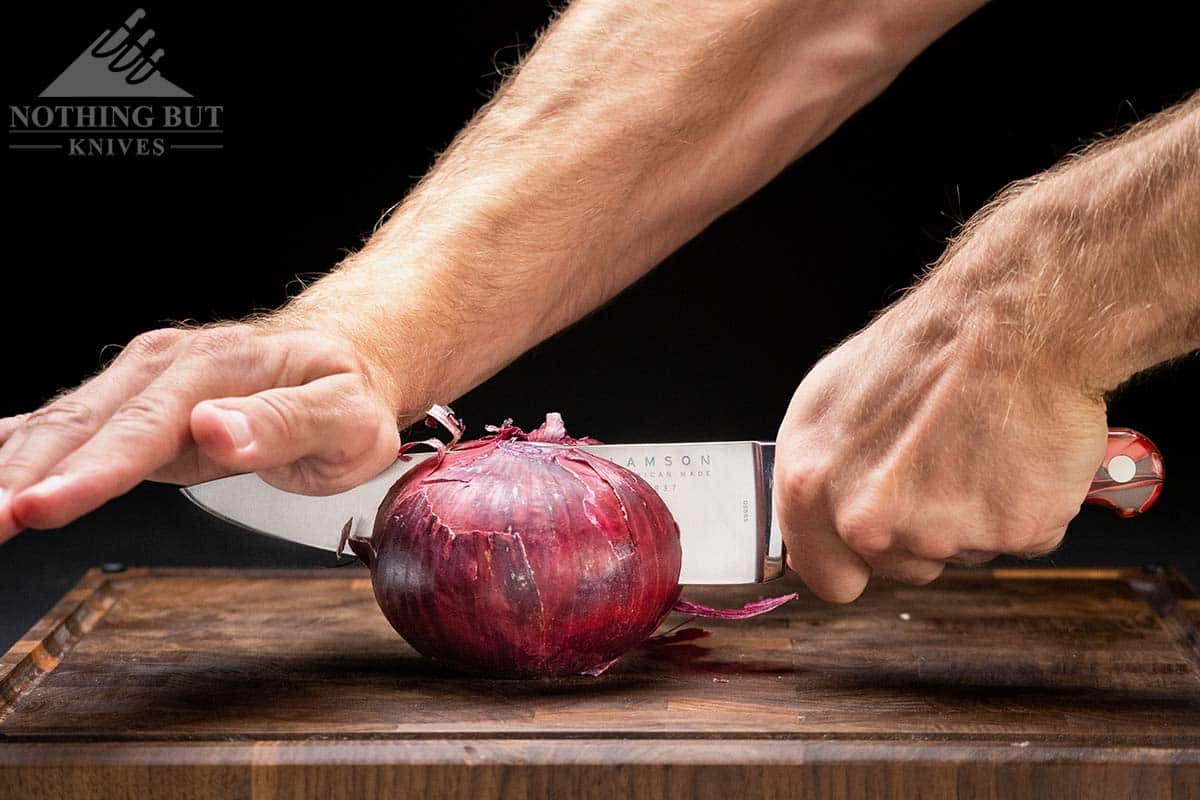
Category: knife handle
<point>1130,478</point>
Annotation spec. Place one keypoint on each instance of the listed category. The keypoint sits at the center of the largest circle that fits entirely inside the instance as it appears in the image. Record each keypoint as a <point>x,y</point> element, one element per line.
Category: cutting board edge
<point>634,750</point>
<point>41,648</point>
<point>485,769</point>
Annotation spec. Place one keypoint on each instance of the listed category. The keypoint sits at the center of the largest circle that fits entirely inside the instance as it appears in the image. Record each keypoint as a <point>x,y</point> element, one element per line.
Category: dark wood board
<point>270,684</point>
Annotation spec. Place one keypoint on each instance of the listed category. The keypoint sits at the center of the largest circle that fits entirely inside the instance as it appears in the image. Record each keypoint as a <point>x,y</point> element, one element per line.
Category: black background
<point>331,115</point>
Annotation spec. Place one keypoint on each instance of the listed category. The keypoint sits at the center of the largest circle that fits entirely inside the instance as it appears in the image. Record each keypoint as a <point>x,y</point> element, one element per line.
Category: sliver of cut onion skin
<point>520,555</point>
<point>751,609</point>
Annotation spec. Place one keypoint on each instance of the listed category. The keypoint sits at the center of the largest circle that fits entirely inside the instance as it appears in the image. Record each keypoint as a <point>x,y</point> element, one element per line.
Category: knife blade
<point>718,492</point>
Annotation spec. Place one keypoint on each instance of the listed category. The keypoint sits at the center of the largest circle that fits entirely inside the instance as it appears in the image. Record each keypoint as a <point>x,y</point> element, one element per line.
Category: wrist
<point>996,300</point>
<point>428,323</point>
<point>383,319</point>
<point>1096,257</point>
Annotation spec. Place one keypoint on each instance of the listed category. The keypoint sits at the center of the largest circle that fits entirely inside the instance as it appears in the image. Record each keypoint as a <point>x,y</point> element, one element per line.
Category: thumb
<point>323,437</point>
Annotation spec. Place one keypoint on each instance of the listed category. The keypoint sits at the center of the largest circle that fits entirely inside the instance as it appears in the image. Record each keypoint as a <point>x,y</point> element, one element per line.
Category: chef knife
<point>718,492</point>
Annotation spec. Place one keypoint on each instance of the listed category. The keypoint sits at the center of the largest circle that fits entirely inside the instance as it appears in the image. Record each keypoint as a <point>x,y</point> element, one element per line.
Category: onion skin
<point>519,555</point>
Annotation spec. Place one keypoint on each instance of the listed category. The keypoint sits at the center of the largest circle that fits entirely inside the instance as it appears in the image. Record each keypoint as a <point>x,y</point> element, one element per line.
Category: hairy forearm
<point>1089,272</point>
<point>629,128</point>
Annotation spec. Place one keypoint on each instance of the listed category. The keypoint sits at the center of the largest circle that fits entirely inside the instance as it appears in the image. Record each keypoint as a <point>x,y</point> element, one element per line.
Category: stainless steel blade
<point>251,502</point>
<point>718,492</point>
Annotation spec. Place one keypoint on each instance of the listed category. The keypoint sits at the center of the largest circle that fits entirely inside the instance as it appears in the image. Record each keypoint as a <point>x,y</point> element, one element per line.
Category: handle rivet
<point>1122,469</point>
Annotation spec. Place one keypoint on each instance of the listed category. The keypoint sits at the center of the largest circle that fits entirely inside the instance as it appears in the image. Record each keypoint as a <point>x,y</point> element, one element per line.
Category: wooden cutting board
<point>195,683</point>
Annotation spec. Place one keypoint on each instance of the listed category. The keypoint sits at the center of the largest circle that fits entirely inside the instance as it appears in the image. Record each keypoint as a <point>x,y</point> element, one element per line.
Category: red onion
<point>521,555</point>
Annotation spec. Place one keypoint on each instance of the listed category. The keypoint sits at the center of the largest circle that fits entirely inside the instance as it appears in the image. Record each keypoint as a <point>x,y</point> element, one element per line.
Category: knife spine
<point>771,565</point>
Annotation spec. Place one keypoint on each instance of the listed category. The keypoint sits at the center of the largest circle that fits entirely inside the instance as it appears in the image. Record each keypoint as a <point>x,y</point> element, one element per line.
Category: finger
<point>34,443</point>
<point>905,567</point>
<point>819,556</point>
<point>153,429</point>
<point>815,552</point>
<point>61,426</point>
<point>320,438</point>
<point>831,570</point>
<point>940,531</point>
<point>145,434</point>
<point>10,425</point>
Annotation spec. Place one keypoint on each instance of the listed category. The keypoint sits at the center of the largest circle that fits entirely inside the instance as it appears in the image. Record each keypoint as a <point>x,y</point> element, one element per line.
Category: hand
<point>934,435</point>
<point>300,408</point>
<point>968,420</point>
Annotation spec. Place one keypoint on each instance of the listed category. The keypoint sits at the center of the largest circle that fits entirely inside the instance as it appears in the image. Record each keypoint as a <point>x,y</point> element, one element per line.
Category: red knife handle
<point>1130,478</point>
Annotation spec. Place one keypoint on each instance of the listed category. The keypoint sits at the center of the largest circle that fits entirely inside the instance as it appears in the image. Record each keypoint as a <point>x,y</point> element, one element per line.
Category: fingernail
<point>49,485</point>
<point>237,425</point>
<point>5,494</point>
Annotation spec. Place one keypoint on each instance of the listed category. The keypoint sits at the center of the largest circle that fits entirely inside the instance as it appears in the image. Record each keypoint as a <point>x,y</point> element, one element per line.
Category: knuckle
<point>283,414</point>
<point>865,529</point>
<point>141,411</point>
<point>17,471</point>
<point>797,484</point>
<point>329,354</point>
<point>310,477</point>
<point>218,342</point>
<point>152,344</point>
<point>65,415</point>
<point>353,396</point>
<point>932,545</point>
<point>10,425</point>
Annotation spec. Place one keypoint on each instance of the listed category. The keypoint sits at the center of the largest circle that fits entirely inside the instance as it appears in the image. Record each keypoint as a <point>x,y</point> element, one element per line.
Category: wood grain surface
<point>273,684</point>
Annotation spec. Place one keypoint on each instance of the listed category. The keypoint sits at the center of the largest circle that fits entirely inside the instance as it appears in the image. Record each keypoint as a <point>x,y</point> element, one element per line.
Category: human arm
<point>626,131</point>
<point>969,418</point>
<point>629,128</point>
